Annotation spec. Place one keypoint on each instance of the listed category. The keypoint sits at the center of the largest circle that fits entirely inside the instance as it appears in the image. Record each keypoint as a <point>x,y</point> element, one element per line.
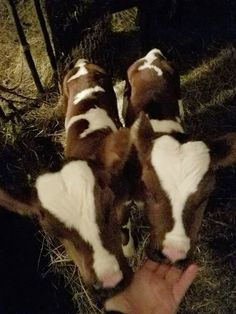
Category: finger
<point>151,266</point>
<point>162,270</point>
<point>173,275</point>
<point>185,281</point>
<point>117,303</point>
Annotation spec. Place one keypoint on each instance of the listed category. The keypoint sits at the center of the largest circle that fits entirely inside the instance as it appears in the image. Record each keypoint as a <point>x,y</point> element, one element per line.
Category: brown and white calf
<point>153,86</point>
<point>82,204</point>
<point>178,172</point>
<point>90,109</point>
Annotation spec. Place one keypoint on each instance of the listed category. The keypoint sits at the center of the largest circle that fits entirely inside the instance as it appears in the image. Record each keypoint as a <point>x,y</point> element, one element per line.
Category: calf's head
<point>86,89</point>
<point>178,175</point>
<point>78,205</point>
<point>152,86</point>
<point>91,110</point>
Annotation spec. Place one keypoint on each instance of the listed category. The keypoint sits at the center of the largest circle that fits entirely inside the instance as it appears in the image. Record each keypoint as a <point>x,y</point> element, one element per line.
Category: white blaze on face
<point>69,196</point>
<point>87,93</point>
<point>97,119</point>
<point>180,168</point>
<point>81,64</point>
<point>149,59</point>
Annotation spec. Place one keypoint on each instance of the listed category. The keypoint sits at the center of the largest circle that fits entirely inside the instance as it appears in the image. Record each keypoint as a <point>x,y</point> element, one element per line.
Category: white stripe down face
<point>73,197</point>
<point>178,182</point>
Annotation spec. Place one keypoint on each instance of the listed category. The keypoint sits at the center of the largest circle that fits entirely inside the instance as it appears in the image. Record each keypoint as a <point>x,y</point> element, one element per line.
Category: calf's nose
<point>111,280</point>
<point>155,255</point>
<point>173,254</point>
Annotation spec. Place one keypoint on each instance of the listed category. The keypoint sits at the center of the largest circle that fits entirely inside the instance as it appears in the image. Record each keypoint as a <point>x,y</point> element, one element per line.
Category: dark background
<point>24,289</point>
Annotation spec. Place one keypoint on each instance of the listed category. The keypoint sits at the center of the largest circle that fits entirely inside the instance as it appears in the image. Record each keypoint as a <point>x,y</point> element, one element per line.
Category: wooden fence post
<point>47,41</point>
<point>25,46</point>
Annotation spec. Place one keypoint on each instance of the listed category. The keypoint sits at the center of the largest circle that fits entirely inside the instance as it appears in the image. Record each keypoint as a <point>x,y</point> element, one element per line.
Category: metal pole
<point>25,46</point>
<point>47,41</point>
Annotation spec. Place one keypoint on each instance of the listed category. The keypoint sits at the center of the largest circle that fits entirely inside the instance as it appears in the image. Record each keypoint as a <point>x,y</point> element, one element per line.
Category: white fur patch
<point>69,196</point>
<point>180,168</point>
<point>151,55</point>
<point>87,93</point>
<point>148,60</point>
<point>151,67</point>
<point>156,51</point>
<point>81,63</point>
<point>97,119</point>
<point>166,126</point>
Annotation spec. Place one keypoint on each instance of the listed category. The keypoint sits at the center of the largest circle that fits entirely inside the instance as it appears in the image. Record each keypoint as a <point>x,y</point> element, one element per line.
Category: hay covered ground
<point>30,137</point>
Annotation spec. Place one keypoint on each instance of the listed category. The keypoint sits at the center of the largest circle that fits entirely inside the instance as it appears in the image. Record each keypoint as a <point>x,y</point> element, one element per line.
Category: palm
<point>155,289</point>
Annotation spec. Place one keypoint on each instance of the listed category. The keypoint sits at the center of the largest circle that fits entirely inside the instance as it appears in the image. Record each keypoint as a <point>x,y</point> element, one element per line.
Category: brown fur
<point>106,152</point>
<point>158,207</point>
<point>155,95</point>
<point>95,76</point>
<point>86,148</point>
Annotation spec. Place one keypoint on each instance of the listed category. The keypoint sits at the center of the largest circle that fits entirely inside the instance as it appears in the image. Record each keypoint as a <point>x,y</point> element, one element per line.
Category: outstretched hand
<point>155,289</point>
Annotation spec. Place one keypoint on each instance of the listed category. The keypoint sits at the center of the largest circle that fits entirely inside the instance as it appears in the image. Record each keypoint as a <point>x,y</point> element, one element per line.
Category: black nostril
<point>101,294</point>
<point>97,285</point>
<point>155,255</point>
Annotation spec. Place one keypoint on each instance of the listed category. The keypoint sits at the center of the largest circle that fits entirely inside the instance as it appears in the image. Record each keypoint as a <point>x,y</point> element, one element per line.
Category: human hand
<point>155,289</point>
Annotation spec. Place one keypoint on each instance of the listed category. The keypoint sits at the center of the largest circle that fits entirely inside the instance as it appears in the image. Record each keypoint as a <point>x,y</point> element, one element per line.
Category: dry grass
<point>62,264</point>
<point>14,69</point>
<point>217,81</point>
<point>209,94</point>
<point>30,142</point>
<point>124,21</point>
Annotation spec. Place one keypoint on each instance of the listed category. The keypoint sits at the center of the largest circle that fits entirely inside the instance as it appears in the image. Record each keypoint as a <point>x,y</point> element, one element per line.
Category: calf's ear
<point>142,134</point>
<point>115,149</point>
<point>223,150</point>
<point>24,207</point>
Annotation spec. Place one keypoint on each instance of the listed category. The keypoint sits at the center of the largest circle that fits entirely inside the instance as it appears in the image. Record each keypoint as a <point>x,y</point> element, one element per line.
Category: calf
<point>90,109</point>
<point>178,172</point>
<point>153,86</point>
<point>82,204</point>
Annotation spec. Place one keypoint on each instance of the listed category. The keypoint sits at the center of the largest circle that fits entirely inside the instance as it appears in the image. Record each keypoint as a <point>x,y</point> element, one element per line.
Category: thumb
<point>117,303</point>
<point>185,282</point>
